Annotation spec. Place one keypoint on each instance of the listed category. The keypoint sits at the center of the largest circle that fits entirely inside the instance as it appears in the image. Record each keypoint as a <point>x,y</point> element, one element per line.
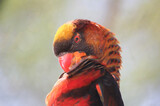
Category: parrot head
<point>81,39</point>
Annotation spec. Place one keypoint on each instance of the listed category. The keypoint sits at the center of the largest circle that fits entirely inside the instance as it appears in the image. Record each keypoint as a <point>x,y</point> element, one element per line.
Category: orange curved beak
<point>65,61</point>
<point>69,59</point>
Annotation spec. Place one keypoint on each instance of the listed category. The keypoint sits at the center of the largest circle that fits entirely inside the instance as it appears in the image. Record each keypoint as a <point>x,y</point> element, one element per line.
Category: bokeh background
<point>29,69</point>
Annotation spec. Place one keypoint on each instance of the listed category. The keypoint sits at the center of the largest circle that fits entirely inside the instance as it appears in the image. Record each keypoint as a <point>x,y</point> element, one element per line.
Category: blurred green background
<point>29,69</point>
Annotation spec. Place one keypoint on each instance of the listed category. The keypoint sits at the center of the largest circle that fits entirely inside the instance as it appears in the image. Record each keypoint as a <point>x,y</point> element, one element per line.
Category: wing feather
<point>108,91</point>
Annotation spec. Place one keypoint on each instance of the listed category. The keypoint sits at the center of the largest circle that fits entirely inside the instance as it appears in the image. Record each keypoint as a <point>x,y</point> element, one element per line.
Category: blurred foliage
<point>29,69</point>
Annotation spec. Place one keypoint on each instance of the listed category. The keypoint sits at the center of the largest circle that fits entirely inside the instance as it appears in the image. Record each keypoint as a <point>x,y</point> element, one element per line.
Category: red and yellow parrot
<point>90,56</point>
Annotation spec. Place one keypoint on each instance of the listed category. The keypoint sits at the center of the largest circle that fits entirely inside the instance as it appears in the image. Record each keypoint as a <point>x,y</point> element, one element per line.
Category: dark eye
<point>77,38</point>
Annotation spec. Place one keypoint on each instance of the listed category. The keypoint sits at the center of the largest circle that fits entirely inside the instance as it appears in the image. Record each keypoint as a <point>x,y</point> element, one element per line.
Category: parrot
<point>90,56</point>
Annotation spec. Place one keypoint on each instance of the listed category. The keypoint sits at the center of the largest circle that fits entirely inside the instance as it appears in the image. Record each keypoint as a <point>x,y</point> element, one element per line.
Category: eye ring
<point>77,38</point>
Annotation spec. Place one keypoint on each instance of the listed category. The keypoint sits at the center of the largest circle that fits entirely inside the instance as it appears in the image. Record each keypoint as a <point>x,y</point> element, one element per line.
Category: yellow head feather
<point>65,32</point>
